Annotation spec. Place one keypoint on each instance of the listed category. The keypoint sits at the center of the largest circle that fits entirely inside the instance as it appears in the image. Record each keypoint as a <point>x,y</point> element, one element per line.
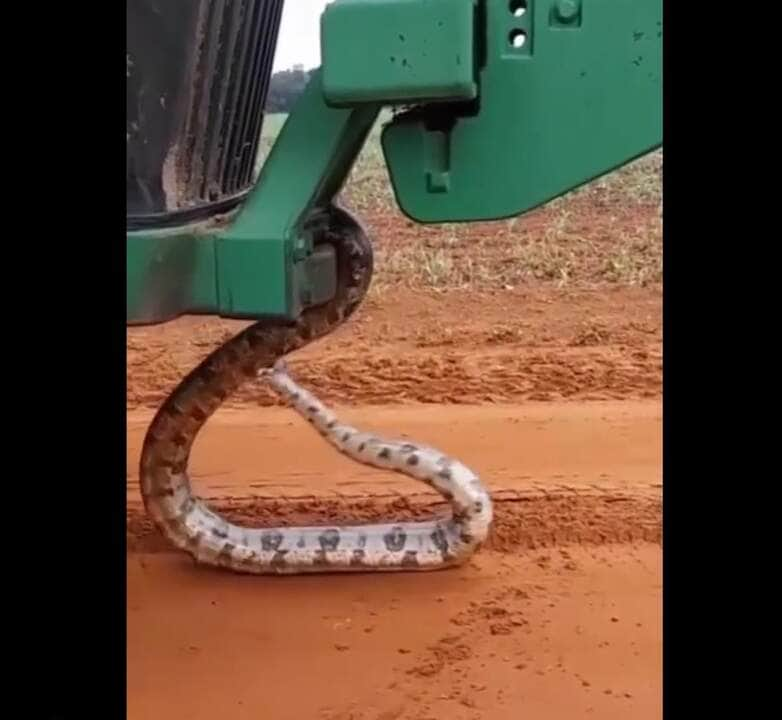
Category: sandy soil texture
<point>444,348</point>
<point>552,395</point>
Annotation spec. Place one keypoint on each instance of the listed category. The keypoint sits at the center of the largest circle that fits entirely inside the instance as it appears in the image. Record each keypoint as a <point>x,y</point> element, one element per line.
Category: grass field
<point>608,231</point>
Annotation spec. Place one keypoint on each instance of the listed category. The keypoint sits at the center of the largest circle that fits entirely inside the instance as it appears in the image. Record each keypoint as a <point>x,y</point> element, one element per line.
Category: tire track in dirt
<point>522,524</point>
<point>456,347</point>
<point>591,472</point>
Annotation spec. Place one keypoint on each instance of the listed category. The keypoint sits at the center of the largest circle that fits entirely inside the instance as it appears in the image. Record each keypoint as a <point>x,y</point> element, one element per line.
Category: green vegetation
<point>606,232</point>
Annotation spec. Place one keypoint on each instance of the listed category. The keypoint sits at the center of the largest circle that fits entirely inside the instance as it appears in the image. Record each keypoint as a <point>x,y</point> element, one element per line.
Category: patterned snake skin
<point>257,351</point>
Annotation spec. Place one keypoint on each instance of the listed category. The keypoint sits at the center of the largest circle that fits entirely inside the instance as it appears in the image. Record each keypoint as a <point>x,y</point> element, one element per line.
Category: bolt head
<point>566,10</point>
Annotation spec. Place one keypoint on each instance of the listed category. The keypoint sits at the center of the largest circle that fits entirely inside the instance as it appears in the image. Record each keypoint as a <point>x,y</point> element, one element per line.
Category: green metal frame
<point>581,97</point>
<point>495,130</point>
<point>397,51</point>
<point>258,261</point>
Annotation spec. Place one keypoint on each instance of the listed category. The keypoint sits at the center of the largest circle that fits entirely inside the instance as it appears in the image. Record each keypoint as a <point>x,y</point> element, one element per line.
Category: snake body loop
<point>258,351</point>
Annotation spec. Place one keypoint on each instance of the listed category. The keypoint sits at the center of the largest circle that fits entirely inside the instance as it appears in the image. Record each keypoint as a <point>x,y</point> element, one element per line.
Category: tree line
<point>285,88</point>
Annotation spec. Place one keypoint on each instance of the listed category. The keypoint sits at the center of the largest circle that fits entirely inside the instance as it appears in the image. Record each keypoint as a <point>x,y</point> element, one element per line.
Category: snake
<point>258,353</point>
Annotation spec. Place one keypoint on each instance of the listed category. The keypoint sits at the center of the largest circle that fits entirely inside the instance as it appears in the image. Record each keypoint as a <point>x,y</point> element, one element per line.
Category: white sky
<point>299,40</point>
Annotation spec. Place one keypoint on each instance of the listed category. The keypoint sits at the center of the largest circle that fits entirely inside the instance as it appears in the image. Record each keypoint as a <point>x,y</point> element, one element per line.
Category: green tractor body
<point>499,106</point>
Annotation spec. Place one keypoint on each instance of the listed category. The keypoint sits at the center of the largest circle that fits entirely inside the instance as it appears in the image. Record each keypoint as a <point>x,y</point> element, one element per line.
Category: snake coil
<point>259,351</point>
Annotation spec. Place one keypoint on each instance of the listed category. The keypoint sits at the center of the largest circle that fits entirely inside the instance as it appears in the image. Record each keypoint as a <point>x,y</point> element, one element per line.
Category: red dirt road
<point>553,618</point>
<point>559,616</point>
<point>567,633</point>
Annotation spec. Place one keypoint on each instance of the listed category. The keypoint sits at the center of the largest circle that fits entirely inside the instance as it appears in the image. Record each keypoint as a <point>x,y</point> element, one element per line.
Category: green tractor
<point>498,106</point>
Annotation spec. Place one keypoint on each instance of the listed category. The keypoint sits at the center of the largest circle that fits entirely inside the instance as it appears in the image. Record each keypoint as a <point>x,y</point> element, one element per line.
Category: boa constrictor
<point>258,351</point>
